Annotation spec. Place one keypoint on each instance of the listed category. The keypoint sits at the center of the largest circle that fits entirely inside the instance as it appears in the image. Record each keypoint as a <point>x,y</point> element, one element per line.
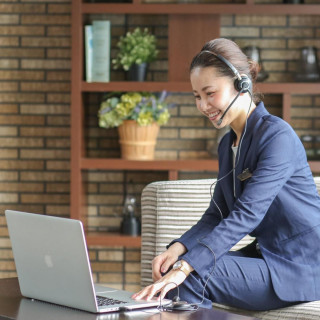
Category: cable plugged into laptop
<point>123,309</point>
<point>178,305</point>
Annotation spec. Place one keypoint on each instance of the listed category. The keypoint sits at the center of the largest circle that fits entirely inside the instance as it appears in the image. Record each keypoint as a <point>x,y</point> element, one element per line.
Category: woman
<point>265,188</point>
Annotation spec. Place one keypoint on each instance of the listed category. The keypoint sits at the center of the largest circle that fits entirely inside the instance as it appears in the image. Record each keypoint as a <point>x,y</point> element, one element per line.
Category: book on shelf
<point>88,51</point>
<point>97,51</point>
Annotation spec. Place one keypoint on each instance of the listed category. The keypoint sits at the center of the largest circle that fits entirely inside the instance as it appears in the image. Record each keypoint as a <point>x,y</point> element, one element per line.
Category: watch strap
<point>184,268</point>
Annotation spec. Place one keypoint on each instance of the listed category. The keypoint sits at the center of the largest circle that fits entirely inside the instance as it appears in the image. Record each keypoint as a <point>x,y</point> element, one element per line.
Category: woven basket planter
<point>137,142</point>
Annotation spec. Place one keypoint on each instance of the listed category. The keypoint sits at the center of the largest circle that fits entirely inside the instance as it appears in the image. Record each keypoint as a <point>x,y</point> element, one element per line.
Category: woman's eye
<point>197,97</point>
<point>210,94</point>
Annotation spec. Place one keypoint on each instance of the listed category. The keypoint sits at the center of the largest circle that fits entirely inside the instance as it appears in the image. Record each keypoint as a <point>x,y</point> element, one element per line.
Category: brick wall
<point>35,118</point>
<point>34,111</point>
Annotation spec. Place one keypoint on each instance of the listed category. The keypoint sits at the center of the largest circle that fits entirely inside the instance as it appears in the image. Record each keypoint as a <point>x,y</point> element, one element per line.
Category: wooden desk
<point>14,306</point>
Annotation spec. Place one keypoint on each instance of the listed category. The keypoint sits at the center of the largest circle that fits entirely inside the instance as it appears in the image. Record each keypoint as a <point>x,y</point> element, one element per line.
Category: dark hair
<point>230,51</point>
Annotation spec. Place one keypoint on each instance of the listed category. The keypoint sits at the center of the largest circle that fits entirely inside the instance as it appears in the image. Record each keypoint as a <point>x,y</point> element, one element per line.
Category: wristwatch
<point>182,266</point>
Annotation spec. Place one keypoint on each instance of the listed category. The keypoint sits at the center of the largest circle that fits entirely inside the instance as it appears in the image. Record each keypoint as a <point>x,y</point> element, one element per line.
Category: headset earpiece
<point>244,85</point>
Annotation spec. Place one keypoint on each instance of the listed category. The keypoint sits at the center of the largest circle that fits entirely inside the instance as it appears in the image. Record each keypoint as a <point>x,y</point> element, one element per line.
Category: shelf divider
<point>186,40</point>
<point>77,114</point>
<point>286,107</point>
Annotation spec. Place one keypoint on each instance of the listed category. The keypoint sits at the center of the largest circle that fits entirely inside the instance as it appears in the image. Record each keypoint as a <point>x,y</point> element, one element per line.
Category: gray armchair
<point>169,208</point>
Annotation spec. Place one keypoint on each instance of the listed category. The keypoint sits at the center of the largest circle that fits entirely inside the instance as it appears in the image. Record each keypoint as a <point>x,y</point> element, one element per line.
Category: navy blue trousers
<point>237,280</point>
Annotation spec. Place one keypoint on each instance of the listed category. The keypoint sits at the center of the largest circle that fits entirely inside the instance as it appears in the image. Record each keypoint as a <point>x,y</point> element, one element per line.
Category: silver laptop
<point>31,309</point>
<point>53,265</point>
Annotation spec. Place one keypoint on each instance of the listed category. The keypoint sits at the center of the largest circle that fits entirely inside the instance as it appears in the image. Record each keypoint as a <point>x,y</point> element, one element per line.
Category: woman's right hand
<point>162,262</point>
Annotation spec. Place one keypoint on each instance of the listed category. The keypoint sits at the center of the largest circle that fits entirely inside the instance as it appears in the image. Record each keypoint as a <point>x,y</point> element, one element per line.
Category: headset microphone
<point>230,105</point>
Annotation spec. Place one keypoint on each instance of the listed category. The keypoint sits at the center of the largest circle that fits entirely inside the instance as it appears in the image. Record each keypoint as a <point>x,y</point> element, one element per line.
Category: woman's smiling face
<point>213,94</point>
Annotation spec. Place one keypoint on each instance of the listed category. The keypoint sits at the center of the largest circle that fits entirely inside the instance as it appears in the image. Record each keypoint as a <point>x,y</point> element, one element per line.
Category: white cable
<point>161,308</point>
<point>237,158</point>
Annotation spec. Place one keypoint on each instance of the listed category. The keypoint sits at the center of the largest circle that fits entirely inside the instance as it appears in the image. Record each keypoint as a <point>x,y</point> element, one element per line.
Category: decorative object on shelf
<point>293,1</point>
<point>308,67</point>
<point>138,142</point>
<point>130,224</point>
<point>253,53</point>
<point>88,46</point>
<point>97,51</point>
<point>136,48</point>
<point>138,72</point>
<point>138,117</point>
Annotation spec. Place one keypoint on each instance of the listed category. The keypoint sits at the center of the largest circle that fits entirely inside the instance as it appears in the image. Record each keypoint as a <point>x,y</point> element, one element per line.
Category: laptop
<point>31,309</point>
<point>53,265</point>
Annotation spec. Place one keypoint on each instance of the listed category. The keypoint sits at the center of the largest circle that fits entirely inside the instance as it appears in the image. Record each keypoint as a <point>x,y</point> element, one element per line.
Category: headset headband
<point>243,83</point>
<point>228,63</point>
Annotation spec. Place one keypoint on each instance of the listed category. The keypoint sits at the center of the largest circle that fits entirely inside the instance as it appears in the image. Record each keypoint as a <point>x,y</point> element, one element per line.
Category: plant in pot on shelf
<point>138,117</point>
<point>136,50</point>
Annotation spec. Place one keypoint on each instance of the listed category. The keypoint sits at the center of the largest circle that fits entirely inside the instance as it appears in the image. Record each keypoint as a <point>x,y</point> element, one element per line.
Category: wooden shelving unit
<point>205,26</point>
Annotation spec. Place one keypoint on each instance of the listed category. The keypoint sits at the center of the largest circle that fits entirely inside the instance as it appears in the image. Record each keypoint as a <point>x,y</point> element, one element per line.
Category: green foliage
<point>145,108</point>
<point>135,48</point>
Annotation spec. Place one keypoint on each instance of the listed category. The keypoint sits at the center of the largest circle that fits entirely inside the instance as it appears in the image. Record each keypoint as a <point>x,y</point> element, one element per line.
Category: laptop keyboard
<point>104,301</point>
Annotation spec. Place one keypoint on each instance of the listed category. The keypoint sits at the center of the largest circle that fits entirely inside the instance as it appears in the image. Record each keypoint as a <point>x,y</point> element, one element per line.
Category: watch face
<point>177,265</point>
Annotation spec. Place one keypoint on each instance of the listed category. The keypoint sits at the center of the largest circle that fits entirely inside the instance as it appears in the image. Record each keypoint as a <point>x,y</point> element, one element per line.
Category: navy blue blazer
<point>279,205</point>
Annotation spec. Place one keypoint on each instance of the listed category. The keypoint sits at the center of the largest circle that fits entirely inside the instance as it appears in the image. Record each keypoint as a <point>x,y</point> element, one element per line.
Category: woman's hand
<point>165,260</point>
<point>169,281</point>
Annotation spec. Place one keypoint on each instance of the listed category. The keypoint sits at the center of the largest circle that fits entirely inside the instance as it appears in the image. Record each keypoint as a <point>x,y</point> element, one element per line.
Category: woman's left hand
<point>169,281</point>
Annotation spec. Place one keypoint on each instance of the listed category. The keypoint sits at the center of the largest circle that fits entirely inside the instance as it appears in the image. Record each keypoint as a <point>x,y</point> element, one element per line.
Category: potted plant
<point>138,117</point>
<point>136,50</point>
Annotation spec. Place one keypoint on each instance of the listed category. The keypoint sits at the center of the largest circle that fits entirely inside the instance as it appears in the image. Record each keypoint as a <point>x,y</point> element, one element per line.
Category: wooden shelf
<point>265,87</point>
<point>136,86</point>
<point>112,239</point>
<point>161,165</point>
<point>290,87</point>
<point>179,8</point>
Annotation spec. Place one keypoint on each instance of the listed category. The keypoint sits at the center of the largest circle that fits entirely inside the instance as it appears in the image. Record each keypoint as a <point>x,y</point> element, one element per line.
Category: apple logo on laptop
<point>48,261</point>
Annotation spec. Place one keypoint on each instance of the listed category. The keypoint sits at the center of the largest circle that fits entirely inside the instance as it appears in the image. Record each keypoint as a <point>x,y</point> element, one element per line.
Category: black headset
<point>242,83</point>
